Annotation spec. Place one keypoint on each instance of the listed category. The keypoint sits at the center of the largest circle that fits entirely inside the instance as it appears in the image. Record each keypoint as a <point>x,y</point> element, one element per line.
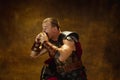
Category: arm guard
<point>36,46</point>
<point>51,48</point>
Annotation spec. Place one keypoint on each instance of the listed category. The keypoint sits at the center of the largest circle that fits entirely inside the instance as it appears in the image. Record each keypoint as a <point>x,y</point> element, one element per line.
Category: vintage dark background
<point>96,21</point>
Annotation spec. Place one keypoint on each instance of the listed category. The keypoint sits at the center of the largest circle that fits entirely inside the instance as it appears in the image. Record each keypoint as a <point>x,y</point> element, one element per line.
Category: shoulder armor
<point>71,36</point>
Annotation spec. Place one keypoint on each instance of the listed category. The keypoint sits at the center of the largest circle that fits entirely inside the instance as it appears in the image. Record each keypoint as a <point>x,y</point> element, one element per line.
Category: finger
<point>38,37</point>
<point>44,34</point>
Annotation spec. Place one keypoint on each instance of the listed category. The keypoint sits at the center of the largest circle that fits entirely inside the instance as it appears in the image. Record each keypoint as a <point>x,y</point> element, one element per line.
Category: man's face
<point>47,28</point>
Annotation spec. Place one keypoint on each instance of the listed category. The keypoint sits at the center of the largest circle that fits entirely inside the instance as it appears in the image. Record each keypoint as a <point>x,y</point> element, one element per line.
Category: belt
<point>70,67</point>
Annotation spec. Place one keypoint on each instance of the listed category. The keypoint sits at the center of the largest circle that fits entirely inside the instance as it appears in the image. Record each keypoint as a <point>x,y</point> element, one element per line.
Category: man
<point>64,50</point>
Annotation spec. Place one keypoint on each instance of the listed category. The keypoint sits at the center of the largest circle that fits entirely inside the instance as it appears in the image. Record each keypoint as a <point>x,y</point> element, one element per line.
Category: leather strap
<point>71,67</point>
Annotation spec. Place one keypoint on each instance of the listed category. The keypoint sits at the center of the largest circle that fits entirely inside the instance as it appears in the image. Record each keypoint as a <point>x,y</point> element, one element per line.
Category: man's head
<point>51,26</point>
<point>54,22</point>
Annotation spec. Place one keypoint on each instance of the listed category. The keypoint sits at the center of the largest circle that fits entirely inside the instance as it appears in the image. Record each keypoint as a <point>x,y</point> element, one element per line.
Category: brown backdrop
<point>96,21</point>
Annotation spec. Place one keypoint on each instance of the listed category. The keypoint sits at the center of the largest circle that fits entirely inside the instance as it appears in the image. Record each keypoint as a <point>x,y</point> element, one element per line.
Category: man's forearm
<point>50,47</point>
<point>37,49</point>
<point>37,54</point>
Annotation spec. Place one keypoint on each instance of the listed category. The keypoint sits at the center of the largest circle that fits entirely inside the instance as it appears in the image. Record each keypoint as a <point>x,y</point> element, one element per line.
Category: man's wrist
<point>36,46</point>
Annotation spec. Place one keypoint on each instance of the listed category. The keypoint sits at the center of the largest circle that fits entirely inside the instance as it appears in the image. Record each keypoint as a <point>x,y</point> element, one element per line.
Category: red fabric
<point>52,78</point>
<point>49,60</point>
<point>78,49</point>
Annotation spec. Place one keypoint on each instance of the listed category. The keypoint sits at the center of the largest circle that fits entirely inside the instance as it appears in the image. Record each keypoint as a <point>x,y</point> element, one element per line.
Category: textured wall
<point>96,21</point>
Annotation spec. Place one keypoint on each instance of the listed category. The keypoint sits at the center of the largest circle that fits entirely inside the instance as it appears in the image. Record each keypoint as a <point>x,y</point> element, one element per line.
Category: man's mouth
<point>46,33</point>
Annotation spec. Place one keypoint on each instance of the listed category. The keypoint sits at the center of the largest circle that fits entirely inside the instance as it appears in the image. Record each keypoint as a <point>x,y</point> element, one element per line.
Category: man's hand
<point>41,37</point>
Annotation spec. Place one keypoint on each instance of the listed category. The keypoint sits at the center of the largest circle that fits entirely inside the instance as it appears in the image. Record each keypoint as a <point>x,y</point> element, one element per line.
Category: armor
<point>72,68</point>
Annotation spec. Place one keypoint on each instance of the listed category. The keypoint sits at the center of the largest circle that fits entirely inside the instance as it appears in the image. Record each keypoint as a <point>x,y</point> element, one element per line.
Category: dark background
<point>96,21</point>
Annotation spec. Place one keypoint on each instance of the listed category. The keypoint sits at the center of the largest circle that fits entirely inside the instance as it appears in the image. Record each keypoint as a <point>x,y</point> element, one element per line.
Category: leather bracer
<point>36,46</point>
